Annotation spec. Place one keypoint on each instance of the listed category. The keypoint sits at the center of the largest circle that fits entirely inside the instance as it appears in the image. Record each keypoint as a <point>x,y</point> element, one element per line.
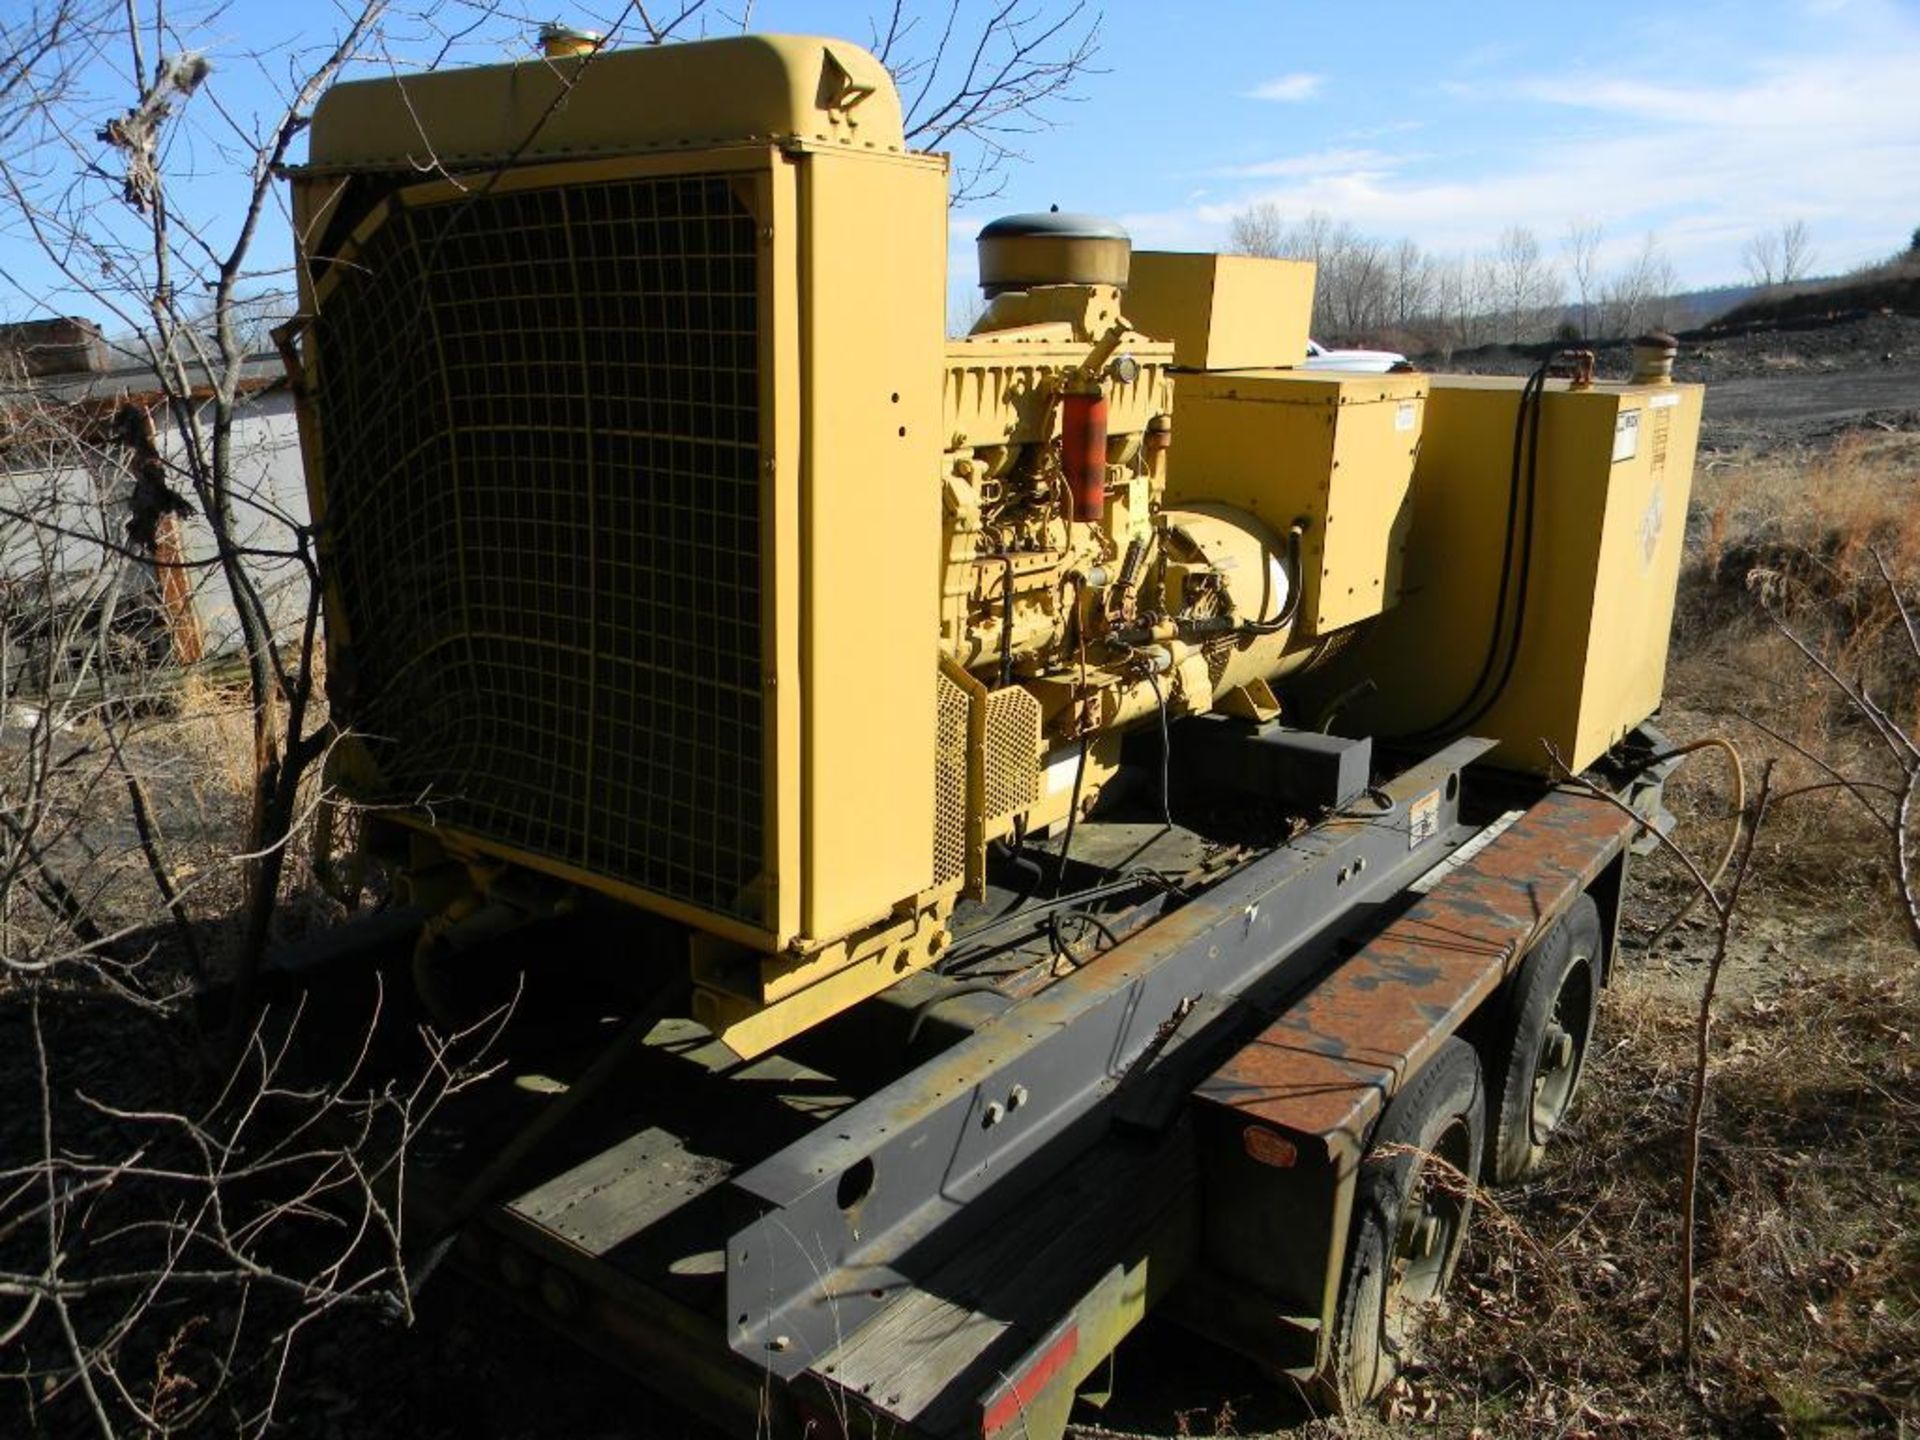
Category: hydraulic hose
<point>1523,477</point>
<point>1294,587</point>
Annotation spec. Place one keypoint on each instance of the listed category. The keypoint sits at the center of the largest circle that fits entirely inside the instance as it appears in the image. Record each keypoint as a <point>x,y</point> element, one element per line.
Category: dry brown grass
<point>1565,1317</point>
<point>192,756</point>
<point>1809,524</point>
<point>1798,534</point>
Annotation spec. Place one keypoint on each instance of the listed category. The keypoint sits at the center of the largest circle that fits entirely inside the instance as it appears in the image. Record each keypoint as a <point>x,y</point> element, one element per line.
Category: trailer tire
<point>1543,1027</point>
<point>1409,1223</point>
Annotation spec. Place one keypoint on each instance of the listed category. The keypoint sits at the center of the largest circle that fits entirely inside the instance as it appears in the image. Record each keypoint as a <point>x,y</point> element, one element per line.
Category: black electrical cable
<point>1063,949</point>
<point>1526,560</point>
<point>1033,914</point>
<point>1365,686</point>
<point>1028,867</point>
<point>1095,921</point>
<point>1524,468</point>
<point>1381,798</point>
<point>1516,475</point>
<point>1006,623</point>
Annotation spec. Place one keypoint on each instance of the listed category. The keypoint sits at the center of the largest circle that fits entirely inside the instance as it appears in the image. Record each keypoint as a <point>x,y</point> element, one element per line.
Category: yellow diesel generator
<point>1079,695</point>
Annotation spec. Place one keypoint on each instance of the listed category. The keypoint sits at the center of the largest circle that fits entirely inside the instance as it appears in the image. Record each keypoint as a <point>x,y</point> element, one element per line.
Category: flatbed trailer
<point>940,1213</point>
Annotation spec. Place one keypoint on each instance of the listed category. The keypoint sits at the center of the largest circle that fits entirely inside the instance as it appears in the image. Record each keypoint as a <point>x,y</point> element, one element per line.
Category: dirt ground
<point>1563,1320</point>
<point>1778,386</point>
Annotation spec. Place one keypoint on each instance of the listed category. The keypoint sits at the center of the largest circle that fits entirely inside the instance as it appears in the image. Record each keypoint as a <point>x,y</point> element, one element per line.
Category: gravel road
<point>1810,405</point>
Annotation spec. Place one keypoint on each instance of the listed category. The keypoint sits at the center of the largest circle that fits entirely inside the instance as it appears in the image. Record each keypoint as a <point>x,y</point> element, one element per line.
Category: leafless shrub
<point>1768,1064</point>
<point>160,1262</point>
<point>1780,256</point>
<point>1795,627</point>
<point>1526,283</point>
<point>1581,246</point>
<point>977,78</point>
<point>1735,869</point>
<point>1371,290</point>
<point>1636,297</point>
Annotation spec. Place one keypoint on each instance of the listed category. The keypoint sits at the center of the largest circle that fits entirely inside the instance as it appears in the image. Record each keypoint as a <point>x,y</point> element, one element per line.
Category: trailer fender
<point>1283,1124</point>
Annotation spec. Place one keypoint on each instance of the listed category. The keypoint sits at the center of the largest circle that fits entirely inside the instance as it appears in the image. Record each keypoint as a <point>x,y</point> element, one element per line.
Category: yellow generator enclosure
<point>1329,455</point>
<point>619,393</point>
<point>1577,656</point>
<point>1223,312</point>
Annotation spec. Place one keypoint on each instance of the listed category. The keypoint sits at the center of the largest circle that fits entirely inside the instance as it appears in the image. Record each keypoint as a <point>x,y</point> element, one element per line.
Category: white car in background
<point>1377,362</point>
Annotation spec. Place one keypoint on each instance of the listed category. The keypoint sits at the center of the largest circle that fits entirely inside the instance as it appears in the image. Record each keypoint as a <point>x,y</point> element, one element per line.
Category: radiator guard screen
<point>538,413</point>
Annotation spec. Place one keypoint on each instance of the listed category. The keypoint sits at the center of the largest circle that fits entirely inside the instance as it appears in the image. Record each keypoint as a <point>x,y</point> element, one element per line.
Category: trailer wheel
<point>1409,1223</point>
<point>1540,1040</point>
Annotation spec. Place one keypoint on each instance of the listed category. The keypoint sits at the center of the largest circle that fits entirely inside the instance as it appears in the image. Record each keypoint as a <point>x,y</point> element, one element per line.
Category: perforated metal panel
<point>539,420</point>
<point>950,785</point>
<point>1010,759</point>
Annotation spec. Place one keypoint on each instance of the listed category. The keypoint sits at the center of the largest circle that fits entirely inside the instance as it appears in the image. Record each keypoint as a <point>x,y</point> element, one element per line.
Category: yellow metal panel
<point>1638,570</point>
<point>1599,604</point>
<point>1223,312</point>
<point>754,1003</point>
<point>751,87</point>
<point>873,301</point>
<point>1335,451</point>
<point>780,430</point>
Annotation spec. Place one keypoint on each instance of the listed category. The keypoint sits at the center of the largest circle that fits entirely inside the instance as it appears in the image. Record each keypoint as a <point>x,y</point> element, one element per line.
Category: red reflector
<point>1010,1402</point>
<point>1269,1147</point>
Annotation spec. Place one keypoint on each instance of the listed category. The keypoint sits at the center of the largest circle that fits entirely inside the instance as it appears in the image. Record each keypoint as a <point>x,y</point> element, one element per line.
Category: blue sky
<point>1700,122</point>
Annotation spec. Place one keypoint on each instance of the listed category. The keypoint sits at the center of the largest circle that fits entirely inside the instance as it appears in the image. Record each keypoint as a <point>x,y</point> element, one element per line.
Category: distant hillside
<point>1695,308</point>
<point>1892,287</point>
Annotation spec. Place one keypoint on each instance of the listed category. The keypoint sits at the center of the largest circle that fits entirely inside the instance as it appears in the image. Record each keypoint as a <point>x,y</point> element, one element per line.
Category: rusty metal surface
<point>1325,1068</point>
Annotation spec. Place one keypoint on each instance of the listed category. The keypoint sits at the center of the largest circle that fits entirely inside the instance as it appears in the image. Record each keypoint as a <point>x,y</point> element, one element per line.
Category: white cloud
<point>1290,88</point>
<point>1390,127</point>
<point>1832,137</point>
<point>1319,162</point>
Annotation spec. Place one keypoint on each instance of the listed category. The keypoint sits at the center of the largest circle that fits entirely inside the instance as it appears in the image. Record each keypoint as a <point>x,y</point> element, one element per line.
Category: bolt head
<point>1558,1049</point>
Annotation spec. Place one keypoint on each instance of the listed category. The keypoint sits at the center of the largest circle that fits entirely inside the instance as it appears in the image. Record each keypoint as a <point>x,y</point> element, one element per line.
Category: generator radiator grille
<point>539,423</point>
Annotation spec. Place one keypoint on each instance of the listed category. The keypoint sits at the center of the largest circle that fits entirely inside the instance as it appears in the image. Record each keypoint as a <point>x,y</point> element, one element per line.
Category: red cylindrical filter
<point>1083,452</point>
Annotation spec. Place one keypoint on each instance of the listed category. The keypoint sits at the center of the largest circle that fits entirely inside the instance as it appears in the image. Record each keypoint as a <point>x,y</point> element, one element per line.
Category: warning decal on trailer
<point>1423,818</point>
